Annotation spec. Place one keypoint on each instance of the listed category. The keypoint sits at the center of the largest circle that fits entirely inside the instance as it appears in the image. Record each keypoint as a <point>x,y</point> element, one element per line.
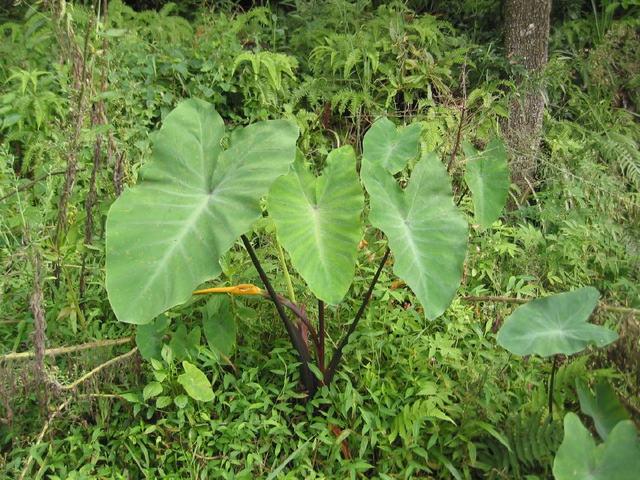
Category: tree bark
<point>526,43</point>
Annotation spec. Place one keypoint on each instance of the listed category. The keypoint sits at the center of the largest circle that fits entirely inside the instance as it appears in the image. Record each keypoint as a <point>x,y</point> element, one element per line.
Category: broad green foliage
<point>166,235</point>
<point>219,325</point>
<point>602,406</point>
<point>195,383</point>
<point>426,232</point>
<point>487,176</point>
<point>318,222</point>
<point>578,458</point>
<point>555,324</point>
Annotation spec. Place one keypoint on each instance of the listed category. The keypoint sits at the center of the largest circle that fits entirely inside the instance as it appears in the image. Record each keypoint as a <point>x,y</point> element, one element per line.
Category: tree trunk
<point>526,42</point>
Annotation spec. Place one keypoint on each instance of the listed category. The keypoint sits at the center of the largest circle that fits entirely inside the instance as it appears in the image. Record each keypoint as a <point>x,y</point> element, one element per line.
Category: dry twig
<point>52,352</point>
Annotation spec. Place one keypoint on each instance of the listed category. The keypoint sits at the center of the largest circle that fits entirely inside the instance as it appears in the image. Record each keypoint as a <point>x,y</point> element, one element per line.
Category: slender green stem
<point>285,271</point>
<point>308,378</point>
<point>551,382</point>
<point>337,355</point>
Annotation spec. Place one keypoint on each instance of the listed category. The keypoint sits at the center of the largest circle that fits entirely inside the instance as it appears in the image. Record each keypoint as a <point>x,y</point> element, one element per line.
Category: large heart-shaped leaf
<point>604,407</point>
<point>426,232</point>
<point>487,176</point>
<point>555,324</point>
<point>578,457</point>
<point>166,235</point>
<point>318,222</point>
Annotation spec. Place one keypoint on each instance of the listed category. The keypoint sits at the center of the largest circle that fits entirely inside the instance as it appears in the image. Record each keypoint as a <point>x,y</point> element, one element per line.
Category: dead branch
<point>52,352</point>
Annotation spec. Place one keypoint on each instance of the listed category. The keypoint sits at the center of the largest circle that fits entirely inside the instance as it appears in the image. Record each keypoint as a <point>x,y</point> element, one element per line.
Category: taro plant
<point>202,190</point>
<point>555,325</point>
<point>579,458</point>
<point>617,458</point>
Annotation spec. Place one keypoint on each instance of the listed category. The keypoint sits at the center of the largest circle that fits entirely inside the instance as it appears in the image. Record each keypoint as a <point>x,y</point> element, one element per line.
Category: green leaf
<point>578,457</point>
<point>427,234</point>
<point>181,401</point>
<point>219,325</point>
<point>164,401</point>
<point>318,222</point>
<point>166,235</point>
<point>149,337</point>
<point>389,147</point>
<point>179,343</point>
<point>604,407</point>
<point>153,389</point>
<point>131,397</point>
<point>487,176</point>
<point>195,383</point>
<point>555,324</point>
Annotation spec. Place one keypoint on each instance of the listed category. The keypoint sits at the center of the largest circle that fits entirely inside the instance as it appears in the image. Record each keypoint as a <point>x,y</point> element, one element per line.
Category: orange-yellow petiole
<point>241,289</point>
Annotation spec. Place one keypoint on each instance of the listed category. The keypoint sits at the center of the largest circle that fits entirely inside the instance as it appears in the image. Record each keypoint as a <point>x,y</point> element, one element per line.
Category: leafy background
<point>415,398</point>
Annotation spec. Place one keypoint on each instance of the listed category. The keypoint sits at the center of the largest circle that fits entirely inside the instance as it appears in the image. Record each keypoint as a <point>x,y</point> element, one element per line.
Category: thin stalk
<point>337,355</point>
<point>321,335</point>
<point>32,183</point>
<point>462,195</point>
<point>294,336</point>
<point>456,145</point>
<point>285,271</point>
<point>551,382</point>
<point>463,111</point>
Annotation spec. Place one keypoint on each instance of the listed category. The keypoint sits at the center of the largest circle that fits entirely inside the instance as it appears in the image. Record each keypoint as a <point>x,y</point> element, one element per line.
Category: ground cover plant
<point>178,182</point>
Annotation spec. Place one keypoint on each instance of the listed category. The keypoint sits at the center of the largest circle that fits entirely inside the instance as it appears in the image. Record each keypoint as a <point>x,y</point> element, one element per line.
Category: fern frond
<point>533,440</point>
<point>622,150</point>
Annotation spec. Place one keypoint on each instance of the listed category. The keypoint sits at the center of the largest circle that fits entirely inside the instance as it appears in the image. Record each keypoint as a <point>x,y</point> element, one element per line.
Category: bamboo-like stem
<point>52,352</point>
<point>321,333</point>
<point>308,378</point>
<point>501,299</point>
<point>36,304</point>
<point>337,355</point>
<point>77,117</point>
